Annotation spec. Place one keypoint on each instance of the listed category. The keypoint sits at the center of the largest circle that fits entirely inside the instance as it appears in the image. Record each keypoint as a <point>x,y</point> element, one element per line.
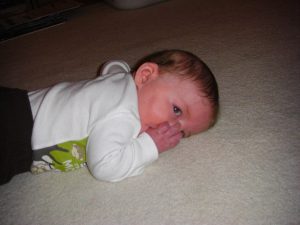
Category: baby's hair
<point>186,65</point>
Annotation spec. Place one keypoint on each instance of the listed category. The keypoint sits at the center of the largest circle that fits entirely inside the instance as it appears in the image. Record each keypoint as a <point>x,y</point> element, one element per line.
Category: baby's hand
<point>165,136</point>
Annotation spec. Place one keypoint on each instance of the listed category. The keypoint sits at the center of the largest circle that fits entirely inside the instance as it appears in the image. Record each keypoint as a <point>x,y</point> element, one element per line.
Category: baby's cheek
<point>160,116</point>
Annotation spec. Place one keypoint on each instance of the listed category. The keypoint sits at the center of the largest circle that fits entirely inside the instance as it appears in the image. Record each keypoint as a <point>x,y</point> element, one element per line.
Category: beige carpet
<point>244,171</point>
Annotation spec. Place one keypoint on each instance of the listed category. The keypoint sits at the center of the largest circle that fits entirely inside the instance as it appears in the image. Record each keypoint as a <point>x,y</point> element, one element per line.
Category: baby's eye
<point>177,111</point>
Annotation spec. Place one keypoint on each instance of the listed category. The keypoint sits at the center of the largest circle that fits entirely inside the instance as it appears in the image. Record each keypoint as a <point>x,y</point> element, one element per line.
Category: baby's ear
<point>146,72</point>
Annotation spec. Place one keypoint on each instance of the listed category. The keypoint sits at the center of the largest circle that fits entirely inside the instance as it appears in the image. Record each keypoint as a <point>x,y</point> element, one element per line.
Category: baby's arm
<point>115,152</point>
<point>165,136</point>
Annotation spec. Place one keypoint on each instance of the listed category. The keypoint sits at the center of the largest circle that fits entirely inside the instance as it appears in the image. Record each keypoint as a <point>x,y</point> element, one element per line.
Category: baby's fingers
<point>174,129</point>
<point>163,128</point>
<point>171,142</point>
<point>175,139</point>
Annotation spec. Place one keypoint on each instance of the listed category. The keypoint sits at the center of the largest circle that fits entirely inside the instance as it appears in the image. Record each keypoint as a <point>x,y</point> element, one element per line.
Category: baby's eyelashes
<point>177,110</point>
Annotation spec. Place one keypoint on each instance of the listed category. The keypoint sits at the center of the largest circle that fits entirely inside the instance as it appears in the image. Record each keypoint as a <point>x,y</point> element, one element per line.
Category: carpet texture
<point>244,171</point>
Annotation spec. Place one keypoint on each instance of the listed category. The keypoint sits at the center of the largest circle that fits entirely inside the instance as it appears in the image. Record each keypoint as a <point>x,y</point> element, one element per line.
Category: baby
<point>116,124</point>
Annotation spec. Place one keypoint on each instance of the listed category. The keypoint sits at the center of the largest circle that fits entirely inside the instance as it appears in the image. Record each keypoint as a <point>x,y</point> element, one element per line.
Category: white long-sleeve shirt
<point>98,116</point>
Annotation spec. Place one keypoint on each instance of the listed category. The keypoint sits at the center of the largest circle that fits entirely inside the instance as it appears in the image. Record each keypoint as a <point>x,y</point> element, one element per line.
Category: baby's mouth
<point>182,134</point>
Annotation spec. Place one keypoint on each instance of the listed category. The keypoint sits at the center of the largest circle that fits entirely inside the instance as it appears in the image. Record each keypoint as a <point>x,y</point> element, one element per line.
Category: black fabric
<point>15,133</point>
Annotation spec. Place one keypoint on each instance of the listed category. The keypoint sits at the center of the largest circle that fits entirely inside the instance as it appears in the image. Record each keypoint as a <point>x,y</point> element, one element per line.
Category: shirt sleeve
<point>115,152</point>
<point>114,67</point>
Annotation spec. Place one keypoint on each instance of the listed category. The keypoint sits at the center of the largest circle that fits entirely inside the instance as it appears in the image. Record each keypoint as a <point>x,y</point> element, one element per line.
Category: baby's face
<point>166,98</point>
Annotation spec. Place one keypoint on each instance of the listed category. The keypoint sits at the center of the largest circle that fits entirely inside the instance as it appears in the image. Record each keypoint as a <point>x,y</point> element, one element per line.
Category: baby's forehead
<point>188,78</point>
<point>181,78</point>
